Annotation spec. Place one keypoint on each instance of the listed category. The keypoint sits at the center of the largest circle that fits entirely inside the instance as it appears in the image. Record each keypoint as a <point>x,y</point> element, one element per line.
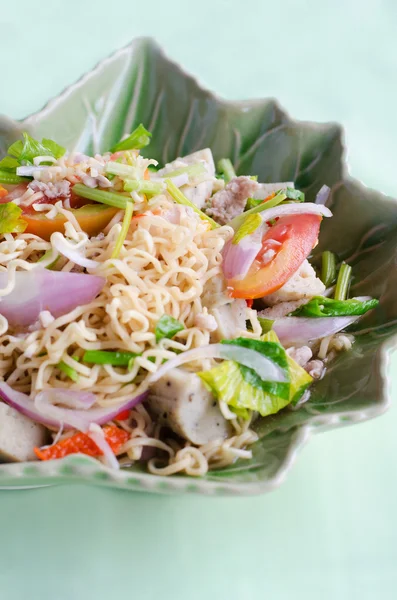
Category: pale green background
<point>330,531</point>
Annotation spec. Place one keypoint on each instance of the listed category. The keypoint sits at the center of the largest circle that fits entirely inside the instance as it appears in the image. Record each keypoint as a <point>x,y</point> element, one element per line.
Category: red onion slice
<point>283,210</point>
<point>264,367</point>
<point>237,258</point>
<point>42,289</point>
<point>300,330</point>
<point>43,411</point>
<point>322,195</point>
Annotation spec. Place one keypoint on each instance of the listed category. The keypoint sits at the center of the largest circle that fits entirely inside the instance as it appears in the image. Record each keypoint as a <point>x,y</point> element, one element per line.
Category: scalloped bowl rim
<point>81,467</point>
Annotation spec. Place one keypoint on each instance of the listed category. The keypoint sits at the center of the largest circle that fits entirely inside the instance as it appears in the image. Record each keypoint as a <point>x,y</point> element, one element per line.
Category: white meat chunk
<point>180,401</point>
<point>201,192</point>
<point>280,310</point>
<point>265,189</point>
<point>230,202</point>
<point>19,435</point>
<point>231,319</point>
<point>198,194</point>
<point>300,355</point>
<point>303,285</point>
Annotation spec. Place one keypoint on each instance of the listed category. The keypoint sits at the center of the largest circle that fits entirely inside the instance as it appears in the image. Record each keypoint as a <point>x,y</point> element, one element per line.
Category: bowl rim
<point>48,471</point>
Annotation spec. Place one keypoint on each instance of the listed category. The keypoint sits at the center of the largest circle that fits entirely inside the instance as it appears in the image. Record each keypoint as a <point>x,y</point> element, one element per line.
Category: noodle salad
<point>152,314</point>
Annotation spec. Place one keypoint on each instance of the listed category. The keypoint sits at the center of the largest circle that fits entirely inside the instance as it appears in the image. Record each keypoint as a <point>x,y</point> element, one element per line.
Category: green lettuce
<point>10,218</point>
<point>243,390</point>
<point>320,306</point>
<point>22,152</point>
<point>137,140</point>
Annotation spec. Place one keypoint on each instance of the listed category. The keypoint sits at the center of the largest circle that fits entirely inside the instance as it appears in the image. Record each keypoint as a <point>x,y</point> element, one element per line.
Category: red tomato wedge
<point>298,235</point>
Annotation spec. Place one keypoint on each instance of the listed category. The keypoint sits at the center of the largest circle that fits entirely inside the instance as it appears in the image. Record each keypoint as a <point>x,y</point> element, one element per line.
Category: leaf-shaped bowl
<point>139,84</point>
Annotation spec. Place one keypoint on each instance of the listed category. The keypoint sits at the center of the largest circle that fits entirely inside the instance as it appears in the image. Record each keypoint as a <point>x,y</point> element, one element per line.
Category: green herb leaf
<point>250,225</point>
<point>293,194</point>
<point>226,168</point>
<point>320,306</point>
<point>167,327</point>
<point>27,150</point>
<point>138,139</point>
<point>10,219</point>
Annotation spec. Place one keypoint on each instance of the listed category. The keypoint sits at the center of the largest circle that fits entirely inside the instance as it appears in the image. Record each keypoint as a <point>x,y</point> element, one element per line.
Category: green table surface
<point>330,532</point>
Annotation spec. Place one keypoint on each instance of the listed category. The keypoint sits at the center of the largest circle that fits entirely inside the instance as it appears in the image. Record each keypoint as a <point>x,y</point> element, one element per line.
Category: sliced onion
<point>71,398</point>
<point>30,171</point>
<point>43,411</point>
<point>41,289</point>
<point>66,249</point>
<point>282,210</point>
<point>237,258</point>
<point>322,195</point>
<point>300,330</point>
<point>264,367</point>
<point>97,436</point>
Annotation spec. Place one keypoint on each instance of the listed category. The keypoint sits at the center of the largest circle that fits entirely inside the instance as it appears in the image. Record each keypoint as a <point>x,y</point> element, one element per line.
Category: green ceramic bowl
<point>139,84</point>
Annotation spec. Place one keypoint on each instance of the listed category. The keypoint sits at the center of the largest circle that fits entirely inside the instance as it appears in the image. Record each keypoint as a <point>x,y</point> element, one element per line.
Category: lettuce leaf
<point>276,353</point>
<point>320,306</point>
<point>22,152</point>
<point>10,221</point>
<point>299,379</point>
<point>242,389</point>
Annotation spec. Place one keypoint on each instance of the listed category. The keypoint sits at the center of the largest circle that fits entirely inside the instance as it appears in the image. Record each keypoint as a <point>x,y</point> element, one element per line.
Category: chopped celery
<point>150,188</point>
<point>124,229</point>
<point>190,170</point>
<point>225,166</point>
<point>328,268</point>
<point>124,171</point>
<point>343,282</point>
<point>180,198</point>
<point>111,198</point>
<point>249,226</point>
<point>138,139</point>
<point>239,220</point>
<point>11,178</point>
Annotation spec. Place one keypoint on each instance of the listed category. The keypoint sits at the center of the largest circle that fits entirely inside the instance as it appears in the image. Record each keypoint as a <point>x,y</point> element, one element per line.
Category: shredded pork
<point>231,201</point>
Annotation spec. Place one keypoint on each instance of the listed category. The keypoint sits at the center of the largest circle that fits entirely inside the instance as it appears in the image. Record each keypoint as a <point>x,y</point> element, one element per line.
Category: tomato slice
<point>92,219</point>
<point>297,235</point>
